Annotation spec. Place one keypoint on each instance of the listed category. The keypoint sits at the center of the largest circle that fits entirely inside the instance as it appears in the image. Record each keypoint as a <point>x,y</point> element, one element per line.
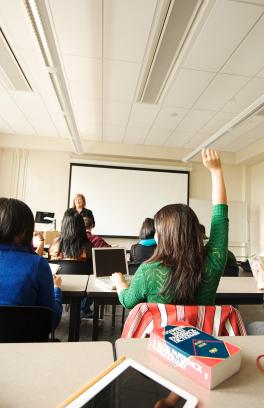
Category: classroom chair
<point>214,320</point>
<point>132,267</point>
<point>26,324</point>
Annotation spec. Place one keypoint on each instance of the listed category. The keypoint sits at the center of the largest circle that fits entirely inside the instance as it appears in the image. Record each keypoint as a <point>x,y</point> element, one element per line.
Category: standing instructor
<point>79,204</point>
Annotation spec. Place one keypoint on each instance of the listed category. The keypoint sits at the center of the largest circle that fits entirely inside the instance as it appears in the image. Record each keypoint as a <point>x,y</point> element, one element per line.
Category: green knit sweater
<point>150,278</point>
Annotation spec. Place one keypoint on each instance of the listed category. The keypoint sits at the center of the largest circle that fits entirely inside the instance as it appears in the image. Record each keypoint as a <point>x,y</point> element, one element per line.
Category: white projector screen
<point>122,197</point>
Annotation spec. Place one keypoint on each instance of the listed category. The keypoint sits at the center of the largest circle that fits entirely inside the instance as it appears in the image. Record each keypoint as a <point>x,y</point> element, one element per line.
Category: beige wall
<point>257,208</point>
<point>41,179</point>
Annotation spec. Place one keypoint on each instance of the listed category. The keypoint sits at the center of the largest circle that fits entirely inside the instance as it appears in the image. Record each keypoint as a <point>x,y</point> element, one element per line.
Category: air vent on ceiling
<point>175,23</point>
<point>11,74</point>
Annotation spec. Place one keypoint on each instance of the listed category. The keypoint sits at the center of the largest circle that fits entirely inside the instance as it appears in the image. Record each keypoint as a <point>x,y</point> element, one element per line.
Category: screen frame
<point>106,166</point>
<point>191,400</point>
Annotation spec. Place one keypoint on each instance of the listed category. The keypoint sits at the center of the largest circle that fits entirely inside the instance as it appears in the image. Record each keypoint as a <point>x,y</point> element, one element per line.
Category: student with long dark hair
<point>25,277</point>
<point>72,242</point>
<point>182,270</point>
<point>144,249</point>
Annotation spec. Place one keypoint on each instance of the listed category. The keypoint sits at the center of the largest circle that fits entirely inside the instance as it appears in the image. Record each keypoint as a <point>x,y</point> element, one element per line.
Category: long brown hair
<point>180,247</point>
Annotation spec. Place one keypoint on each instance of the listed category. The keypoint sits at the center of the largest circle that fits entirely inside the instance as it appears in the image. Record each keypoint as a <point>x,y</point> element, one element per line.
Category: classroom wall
<point>41,179</point>
<point>257,208</point>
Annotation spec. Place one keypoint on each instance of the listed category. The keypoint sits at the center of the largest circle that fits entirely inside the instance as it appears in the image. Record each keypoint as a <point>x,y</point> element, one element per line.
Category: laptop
<point>107,261</point>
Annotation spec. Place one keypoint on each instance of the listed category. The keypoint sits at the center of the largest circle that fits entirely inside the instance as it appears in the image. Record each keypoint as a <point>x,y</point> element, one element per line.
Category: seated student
<point>96,240</point>
<point>25,277</point>
<point>144,249</point>
<point>182,270</point>
<point>231,267</point>
<point>72,242</point>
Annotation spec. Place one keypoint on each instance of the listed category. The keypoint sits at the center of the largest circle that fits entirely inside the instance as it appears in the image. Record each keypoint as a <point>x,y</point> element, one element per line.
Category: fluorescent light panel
<point>11,74</point>
<point>40,20</point>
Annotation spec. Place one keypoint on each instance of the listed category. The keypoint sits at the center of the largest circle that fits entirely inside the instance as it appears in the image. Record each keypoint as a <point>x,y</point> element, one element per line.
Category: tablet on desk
<point>130,385</point>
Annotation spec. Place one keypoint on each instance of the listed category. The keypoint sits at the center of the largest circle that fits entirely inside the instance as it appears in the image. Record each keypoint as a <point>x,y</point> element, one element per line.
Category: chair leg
<point>123,318</point>
<point>101,312</point>
<point>113,315</point>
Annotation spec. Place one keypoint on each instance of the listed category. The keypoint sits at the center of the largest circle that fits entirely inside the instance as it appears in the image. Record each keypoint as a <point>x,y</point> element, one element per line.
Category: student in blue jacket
<point>25,277</point>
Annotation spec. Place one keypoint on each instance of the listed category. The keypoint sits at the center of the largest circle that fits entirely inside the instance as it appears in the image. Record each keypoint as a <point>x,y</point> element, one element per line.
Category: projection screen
<point>122,197</point>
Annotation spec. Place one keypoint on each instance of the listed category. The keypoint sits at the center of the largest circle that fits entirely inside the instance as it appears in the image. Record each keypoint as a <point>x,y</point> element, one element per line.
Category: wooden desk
<point>231,291</point>
<point>244,389</point>
<point>44,374</point>
<point>73,290</point>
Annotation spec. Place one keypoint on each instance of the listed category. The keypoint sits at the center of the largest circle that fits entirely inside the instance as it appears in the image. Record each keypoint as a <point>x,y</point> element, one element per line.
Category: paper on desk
<point>54,268</point>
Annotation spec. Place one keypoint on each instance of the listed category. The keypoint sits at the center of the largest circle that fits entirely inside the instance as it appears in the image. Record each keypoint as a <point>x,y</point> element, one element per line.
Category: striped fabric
<point>215,320</point>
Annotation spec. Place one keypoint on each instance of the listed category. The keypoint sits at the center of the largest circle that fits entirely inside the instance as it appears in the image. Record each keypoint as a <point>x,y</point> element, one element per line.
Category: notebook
<point>107,261</point>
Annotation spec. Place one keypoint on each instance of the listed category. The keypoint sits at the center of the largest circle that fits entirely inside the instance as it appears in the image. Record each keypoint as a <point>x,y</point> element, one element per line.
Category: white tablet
<point>131,385</point>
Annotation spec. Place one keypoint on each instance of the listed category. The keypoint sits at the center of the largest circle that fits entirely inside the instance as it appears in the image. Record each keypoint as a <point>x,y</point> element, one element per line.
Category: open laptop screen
<point>41,217</point>
<point>109,260</point>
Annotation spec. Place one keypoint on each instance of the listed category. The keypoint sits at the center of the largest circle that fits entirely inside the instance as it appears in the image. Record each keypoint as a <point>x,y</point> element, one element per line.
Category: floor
<point>106,332</point>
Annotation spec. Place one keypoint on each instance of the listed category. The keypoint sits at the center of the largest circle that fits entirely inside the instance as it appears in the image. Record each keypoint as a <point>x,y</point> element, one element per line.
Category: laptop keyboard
<point>108,282</point>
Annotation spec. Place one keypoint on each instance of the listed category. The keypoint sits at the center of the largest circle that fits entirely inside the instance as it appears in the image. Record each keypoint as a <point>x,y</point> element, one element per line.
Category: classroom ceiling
<point>104,47</point>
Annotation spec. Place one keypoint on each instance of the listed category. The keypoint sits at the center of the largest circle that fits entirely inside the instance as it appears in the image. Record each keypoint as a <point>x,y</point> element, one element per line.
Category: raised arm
<point>212,162</point>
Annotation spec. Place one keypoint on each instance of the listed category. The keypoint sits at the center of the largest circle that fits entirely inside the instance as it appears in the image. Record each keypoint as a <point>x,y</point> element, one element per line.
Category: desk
<point>231,290</point>
<point>44,374</point>
<point>73,290</point>
<point>244,389</point>
<point>100,296</point>
<point>238,291</point>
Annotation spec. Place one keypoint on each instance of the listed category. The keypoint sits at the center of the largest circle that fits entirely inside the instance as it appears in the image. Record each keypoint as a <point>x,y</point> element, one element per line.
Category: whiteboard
<point>121,197</point>
<point>237,214</point>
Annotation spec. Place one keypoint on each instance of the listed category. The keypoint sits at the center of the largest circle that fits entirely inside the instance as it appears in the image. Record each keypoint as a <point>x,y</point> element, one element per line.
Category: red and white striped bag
<point>222,320</point>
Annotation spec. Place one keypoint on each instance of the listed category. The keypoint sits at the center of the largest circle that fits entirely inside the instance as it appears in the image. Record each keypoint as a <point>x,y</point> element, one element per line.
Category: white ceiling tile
<point>86,109</point>
<point>253,90</point>
<point>89,130</point>
<point>126,28</point>
<point>227,24</point>
<point>142,115</point>
<point>13,116</point>
<point>35,71</point>
<point>116,113</point>
<point>113,133</point>
<point>259,2</point>
<point>136,135</point>
<point>220,91</point>
<point>169,118</point>
<point>77,25</point>
<point>195,120</point>
<point>261,74</point>
<point>187,87</point>
<point>4,128</point>
<point>30,103</point>
<point>178,138</point>
<point>217,121</point>
<point>120,80</point>
<point>196,140</point>
<point>157,137</point>
<point>83,76</point>
<point>248,59</point>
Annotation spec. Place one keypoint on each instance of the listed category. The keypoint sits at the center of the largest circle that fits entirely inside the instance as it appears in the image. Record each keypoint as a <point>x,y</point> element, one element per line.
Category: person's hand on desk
<point>119,281</point>
<point>57,281</point>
